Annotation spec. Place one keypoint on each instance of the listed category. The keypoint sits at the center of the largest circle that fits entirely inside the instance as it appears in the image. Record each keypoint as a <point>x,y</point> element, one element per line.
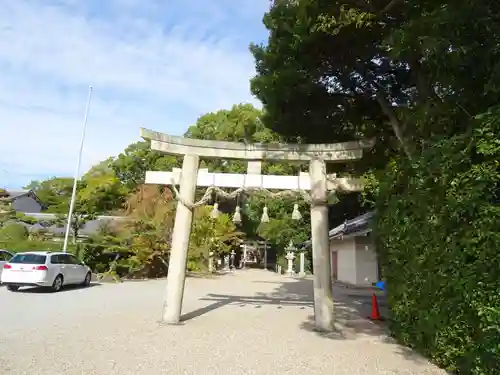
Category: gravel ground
<point>250,322</point>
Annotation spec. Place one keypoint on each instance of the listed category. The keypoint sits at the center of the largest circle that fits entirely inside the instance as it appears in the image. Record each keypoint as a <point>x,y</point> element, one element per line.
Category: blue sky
<point>154,63</point>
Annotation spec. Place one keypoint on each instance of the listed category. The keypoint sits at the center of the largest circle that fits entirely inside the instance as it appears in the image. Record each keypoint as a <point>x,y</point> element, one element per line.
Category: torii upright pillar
<point>317,182</point>
<point>323,298</point>
<point>176,276</point>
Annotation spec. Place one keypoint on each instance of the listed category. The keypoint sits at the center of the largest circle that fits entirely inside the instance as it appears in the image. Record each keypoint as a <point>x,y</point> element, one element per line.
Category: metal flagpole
<point>77,172</point>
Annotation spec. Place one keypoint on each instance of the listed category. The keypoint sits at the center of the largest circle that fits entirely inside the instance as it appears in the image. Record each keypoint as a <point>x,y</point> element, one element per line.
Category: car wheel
<point>57,284</point>
<point>13,288</point>
<point>88,279</point>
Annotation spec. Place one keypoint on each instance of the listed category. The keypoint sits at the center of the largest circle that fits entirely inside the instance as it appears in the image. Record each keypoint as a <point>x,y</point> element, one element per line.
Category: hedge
<point>438,238</point>
<point>27,245</point>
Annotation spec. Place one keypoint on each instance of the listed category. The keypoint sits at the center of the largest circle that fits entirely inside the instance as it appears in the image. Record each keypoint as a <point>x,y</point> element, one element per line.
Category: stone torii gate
<point>189,177</point>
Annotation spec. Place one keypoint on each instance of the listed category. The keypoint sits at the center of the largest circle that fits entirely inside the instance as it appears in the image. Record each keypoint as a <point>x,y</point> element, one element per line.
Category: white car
<point>5,256</point>
<point>45,269</point>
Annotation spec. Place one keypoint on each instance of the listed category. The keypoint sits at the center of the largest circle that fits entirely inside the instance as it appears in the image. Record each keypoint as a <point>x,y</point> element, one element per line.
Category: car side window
<point>73,259</point>
<point>55,259</point>
<point>4,256</point>
<point>65,259</point>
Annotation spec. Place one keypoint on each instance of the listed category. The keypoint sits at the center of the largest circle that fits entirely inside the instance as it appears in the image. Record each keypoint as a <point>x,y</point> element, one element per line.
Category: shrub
<point>14,232</point>
<point>19,246</point>
<point>437,229</point>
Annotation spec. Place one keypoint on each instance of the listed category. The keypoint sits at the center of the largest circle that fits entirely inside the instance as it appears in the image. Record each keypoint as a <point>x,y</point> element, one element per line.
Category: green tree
<point>78,221</point>
<point>242,123</point>
<point>55,193</point>
<point>105,167</point>
<point>7,213</point>
<point>416,75</point>
<point>218,235</point>
<point>281,228</point>
<point>315,93</point>
<point>146,233</point>
<point>102,193</point>
<point>402,71</point>
<point>131,165</point>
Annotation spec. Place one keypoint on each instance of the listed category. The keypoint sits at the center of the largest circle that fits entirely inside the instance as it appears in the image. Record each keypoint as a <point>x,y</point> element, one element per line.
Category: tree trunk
<point>396,125</point>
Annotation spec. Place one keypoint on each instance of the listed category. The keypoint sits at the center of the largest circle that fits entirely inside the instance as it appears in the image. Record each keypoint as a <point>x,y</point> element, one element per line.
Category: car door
<point>67,268</point>
<point>57,266</point>
<point>79,269</point>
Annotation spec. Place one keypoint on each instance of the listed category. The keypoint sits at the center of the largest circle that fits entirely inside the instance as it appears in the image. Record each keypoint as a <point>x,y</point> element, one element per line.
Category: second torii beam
<point>233,180</point>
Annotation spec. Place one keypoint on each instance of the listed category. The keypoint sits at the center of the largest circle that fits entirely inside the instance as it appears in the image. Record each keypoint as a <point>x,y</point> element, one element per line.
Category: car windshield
<point>28,259</point>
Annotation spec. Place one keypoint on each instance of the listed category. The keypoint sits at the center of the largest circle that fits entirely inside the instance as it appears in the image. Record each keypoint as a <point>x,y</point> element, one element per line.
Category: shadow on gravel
<point>278,298</point>
<point>351,311</point>
<point>352,308</point>
<point>257,300</point>
<point>67,288</point>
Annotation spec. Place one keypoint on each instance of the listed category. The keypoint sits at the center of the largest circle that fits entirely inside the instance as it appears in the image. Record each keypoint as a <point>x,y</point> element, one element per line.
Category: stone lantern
<point>290,256</point>
<point>231,259</point>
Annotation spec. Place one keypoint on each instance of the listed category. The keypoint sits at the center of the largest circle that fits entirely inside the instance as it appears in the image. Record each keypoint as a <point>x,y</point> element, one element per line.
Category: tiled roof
<point>18,193</point>
<point>356,225</point>
<point>90,227</point>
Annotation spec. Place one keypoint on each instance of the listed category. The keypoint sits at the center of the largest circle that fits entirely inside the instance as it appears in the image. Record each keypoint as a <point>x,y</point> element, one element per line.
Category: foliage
<point>108,185</point>
<point>131,165</point>
<point>78,221</point>
<point>438,242</point>
<point>415,75</point>
<point>25,245</point>
<point>148,230</point>
<point>400,71</point>
<point>313,92</point>
<point>101,190</point>
<point>281,228</point>
<point>40,235</point>
<point>115,186</point>
<point>55,193</point>
<point>22,217</point>
<point>138,244</point>
<point>242,123</point>
<point>11,223</point>
<point>217,235</point>
<point>13,232</point>
<point>7,213</point>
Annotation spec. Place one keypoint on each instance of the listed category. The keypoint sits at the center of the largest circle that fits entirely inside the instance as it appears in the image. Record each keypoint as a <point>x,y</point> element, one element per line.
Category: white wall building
<point>353,256</point>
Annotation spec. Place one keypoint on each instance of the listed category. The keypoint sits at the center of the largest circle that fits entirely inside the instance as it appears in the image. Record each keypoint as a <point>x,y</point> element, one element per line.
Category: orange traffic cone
<point>375,311</point>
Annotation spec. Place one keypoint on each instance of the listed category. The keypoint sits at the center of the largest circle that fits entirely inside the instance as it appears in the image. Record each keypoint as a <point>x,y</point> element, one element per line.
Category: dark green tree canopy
<point>402,71</point>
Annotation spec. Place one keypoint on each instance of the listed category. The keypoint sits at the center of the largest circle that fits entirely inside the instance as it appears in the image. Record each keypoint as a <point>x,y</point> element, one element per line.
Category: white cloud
<point>155,63</point>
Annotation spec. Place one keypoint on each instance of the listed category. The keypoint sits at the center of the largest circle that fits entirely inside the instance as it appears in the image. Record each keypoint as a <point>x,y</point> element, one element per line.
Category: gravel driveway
<point>250,322</point>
